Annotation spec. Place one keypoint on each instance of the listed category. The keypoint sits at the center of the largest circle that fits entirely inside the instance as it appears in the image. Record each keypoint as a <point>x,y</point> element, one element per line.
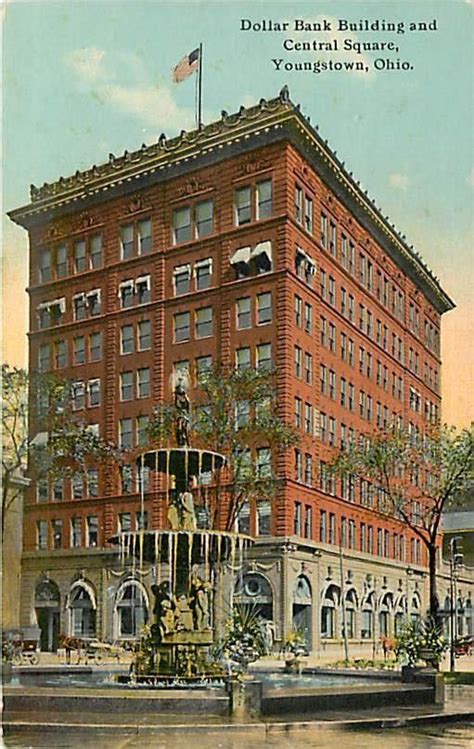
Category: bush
<point>417,639</point>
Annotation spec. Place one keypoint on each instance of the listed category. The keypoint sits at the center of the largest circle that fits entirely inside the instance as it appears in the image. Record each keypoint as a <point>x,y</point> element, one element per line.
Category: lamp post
<point>455,560</point>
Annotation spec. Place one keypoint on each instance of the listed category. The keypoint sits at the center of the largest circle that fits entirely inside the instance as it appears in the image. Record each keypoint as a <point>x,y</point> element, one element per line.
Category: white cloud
<point>153,105</point>
<point>470,177</point>
<point>398,181</point>
<point>88,63</point>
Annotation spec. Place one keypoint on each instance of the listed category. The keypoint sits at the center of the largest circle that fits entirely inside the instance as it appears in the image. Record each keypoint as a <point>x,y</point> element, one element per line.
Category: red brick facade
<point>357,342</point>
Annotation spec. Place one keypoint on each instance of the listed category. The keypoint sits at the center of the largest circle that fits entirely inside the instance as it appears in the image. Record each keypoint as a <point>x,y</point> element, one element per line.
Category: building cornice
<point>270,121</point>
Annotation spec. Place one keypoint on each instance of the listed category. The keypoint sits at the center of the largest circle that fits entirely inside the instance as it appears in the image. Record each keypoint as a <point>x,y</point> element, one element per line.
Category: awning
<point>242,255</point>
<point>94,292</point>
<point>182,269</point>
<point>145,280</point>
<point>262,248</point>
<point>206,263</point>
<point>124,285</point>
<point>310,263</point>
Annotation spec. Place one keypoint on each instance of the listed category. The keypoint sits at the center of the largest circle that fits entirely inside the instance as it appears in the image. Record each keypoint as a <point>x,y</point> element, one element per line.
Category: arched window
<point>253,589</point>
<point>131,609</point>
<point>400,615</point>
<point>328,611</point>
<point>350,605</point>
<point>367,618</point>
<point>385,609</point>
<point>82,607</point>
<point>415,614</point>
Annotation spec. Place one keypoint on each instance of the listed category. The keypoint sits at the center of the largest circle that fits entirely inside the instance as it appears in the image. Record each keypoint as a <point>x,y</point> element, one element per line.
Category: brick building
<point>244,243</point>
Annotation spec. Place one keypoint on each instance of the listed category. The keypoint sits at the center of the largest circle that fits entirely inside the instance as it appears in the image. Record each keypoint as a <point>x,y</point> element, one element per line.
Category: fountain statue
<point>186,558</point>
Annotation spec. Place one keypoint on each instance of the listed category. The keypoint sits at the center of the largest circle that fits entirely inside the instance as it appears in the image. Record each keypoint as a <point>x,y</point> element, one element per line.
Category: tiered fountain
<point>186,558</point>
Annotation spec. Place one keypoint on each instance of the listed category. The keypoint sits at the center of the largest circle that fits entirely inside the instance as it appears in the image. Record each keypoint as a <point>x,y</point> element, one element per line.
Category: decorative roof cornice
<point>132,169</point>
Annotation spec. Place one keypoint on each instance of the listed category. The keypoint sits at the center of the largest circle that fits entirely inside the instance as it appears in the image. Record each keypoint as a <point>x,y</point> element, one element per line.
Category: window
<point>308,521</point>
<point>126,339</point>
<point>243,519</point>
<point>93,302</point>
<point>244,313</point>
<point>242,414</point>
<point>332,430</point>
<point>144,236</point>
<point>76,533</point>
<point>308,469</point>
<point>305,267</point>
<point>203,273</point>
<point>124,522</point>
<point>141,520</point>
<point>298,204</point>
<point>77,486</point>
<point>322,283</point>
<point>264,356</point>
<point>298,311</point>
<point>144,335</point>
<point>264,308</point>
<point>182,230</point>
<point>332,238</point>
<point>264,199</point>
<point>298,412</point>
<point>264,462</point>
<point>323,526</point>
<point>324,230</point>
<point>126,476</point>
<point>323,378</point>
<point>93,387</point>
<point>60,354</point>
<point>308,318</point>
<point>182,327</point>
<point>242,358</point>
<point>80,307</point>
<point>323,425</point>
<point>125,433</point>
<point>332,291</point>
<point>58,490</point>
<point>143,382</point>
<point>126,386</point>
<point>308,418</point>
<point>324,328</point>
<point>92,525</point>
<point>308,368</point>
<point>92,482</point>
<point>44,357</point>
<point>42,534</point>
<point>44,269</point>
<point>298,362</point>
<point>243,207</point>
<point>61,261</point>
<point>332,338</point>
<point>332,385</point>
<point>204,322</point>
<point>182,279</point>
<point>298,465</point>
<point>264,519</point>
<point>126,292</point>
<point>143,289</point>
<point>142,431</point>
<point>42,494</point>
<point>126,241</point>
<point>95,346</point>
<point>332,528</point>
<point>78,396</point>
<point>297,519</point>
<point>96,251</point>
<point>203,368</point>
<point>80,256</point>
<point>308,214</point>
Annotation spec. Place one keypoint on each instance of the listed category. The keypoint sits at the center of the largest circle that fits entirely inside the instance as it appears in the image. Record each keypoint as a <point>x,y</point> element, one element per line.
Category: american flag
<point>186,66</point>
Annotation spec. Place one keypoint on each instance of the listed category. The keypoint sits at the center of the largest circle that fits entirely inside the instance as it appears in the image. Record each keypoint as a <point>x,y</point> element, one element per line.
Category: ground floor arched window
<point>82,608</point>
<point>131,610</point>
<point>329,605</point>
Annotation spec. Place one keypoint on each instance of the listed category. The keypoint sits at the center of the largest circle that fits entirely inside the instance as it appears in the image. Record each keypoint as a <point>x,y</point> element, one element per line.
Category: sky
<point>82,79</point>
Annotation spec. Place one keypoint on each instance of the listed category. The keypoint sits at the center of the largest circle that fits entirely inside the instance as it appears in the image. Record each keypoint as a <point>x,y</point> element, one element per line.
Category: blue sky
<point>82,79</point>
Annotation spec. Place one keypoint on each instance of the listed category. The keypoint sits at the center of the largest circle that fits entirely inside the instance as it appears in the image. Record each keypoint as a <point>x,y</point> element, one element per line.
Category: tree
<point>60,444</point>
<point>419,477</point>
<point>236,415</point>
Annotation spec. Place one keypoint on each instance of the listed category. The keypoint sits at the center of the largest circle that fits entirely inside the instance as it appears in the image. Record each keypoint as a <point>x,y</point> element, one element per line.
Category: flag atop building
<point>187,65</point>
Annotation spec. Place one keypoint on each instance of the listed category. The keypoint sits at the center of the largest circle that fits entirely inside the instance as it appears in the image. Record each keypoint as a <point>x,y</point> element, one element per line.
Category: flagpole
<point>200,88</point>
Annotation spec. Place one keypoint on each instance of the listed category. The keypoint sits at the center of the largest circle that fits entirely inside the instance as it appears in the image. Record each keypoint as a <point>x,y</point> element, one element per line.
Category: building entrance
<point>47,615</point>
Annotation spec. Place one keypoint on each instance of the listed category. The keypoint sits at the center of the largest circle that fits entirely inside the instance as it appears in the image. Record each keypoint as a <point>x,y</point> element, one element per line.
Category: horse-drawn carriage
<point>21,646</point>
<point>88,650</point>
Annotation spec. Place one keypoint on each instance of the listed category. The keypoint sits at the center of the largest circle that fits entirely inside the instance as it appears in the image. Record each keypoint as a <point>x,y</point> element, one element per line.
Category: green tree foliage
<point>58,443</point>
<point>235,415</point>
<point>420,476</point>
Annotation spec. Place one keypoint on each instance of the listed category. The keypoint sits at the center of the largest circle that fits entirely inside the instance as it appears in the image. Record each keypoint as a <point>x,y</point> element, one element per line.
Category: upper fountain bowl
<point>181,461</point>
